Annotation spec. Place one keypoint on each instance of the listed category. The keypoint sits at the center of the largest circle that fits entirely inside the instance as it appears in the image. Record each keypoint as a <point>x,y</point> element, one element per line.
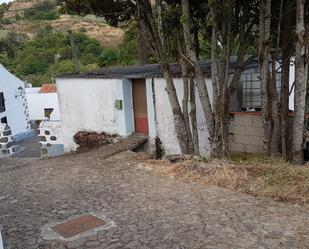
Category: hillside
<point>92,26</point>
<point>108,36</point>
<point>18,7</point>
<point>35,43</point>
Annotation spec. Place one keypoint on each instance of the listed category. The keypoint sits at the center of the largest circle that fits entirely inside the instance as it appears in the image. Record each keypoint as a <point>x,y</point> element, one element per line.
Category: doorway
<point>140,105</point>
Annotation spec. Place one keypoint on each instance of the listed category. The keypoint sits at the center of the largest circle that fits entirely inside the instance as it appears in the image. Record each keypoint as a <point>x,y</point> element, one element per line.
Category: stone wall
<point>246,133</point>
<point>50,139</point>
<point>6,142</point>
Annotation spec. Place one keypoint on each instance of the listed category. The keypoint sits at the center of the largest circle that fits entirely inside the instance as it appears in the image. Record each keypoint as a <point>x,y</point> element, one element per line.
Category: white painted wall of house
<point>15,111</point>
<point>87,105</point>
<point>165,122</point>
<point>37,102</point>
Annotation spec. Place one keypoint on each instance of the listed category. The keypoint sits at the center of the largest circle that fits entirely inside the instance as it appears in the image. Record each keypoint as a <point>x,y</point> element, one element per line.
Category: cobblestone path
<point>149,211</point>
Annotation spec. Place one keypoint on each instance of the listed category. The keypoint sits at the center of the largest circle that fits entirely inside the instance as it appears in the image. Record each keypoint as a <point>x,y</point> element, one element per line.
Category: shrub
<point>42,11</point>
<point>109,57</point>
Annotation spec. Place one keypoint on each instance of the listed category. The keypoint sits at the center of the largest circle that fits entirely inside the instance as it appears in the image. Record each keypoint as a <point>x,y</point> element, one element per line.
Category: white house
<point>124,100</point>
<point>128,99</point>
<point>43,103</point>
<point>13,105</point>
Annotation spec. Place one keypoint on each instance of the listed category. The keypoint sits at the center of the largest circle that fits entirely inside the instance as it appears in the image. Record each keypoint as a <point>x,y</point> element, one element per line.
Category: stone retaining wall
<point>6,141</point>
<point>50,139</point>
<point>246,133</point>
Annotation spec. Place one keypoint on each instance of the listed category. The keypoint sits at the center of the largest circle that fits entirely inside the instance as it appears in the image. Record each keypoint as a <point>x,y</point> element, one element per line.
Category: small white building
<point>124,100</point>
<point>13,105</point>
<point>43,103</point>
<point>133,99</point>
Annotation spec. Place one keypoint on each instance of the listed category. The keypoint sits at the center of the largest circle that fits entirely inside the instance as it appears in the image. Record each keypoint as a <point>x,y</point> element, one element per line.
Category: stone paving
<point>28,148</point>
<point>148,211</point>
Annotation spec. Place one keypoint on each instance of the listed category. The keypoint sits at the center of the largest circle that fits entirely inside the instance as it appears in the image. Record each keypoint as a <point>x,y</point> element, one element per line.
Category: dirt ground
<point>149,211</point>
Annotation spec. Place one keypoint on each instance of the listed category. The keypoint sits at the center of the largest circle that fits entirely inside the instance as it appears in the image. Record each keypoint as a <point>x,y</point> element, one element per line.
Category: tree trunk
<point>301,68</point>
<point>285,79</point>
<point>74,52</point>
<point>185,100</point>
<point>220,83</point>
<point>185,110</point>
<point>160,21</point>
<point>193,118</point>
<point>179,120</point>
<point>286,47</point>
<point>265,19</point>
<point>147,20</point>
<point>198,75</point>
<point>143,49</point>
<point>275,140</point>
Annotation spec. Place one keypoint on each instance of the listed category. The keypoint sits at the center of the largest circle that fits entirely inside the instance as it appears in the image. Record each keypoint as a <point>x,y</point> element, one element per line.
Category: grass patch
<point>252,174</point>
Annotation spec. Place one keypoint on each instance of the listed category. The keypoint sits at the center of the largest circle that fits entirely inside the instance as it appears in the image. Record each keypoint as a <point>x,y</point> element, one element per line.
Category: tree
<point>264,57</point>
<point>198,74</point>
<point>301,76</point>
<point>114,11</point>
<point>230,21</point>
<point>146,18</point>
<point>286,45</point>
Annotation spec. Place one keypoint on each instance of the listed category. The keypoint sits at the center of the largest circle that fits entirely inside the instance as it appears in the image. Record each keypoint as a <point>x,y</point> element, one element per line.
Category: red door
<point>140,106</point>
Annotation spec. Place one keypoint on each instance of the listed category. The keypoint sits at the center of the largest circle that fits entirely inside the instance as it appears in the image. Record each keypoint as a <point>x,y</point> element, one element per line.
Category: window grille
<point>251,89</point>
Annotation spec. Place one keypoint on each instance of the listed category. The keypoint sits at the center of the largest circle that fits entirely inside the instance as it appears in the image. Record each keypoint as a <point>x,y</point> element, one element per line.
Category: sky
<point>5,1</point>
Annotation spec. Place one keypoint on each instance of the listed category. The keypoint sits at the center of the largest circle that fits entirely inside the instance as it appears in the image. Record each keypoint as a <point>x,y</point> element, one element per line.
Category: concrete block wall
<point>6,142</point>
<point>50,139</point>
<point>246,133</point>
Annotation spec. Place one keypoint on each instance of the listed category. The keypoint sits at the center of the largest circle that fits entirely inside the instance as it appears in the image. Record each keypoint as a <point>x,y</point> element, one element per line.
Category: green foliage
<point>50,54</point>
<point>3,8</point>
<point>32,14</point>
<point>109,57</point>
<point>9,42</point>
<point>42,11</point>
<point>123,10</point>
<point>128,50</point>
<point>126,54</point>
<point>5,21</point>
<point>63,67</point>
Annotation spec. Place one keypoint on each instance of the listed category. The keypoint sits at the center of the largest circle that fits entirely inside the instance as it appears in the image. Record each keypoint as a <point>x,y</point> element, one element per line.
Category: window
<point>4,120</point>
<point>251,89</point>
<point>2,103</point>
<point>48,112</point>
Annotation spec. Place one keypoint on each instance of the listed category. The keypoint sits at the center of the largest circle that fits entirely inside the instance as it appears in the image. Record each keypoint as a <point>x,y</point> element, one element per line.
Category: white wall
<point>165,122</point>
<point>37,102</point>
<point>15,102</point>
<point>86,105</point>
<point>126,114</point>
<point>89,105</point>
